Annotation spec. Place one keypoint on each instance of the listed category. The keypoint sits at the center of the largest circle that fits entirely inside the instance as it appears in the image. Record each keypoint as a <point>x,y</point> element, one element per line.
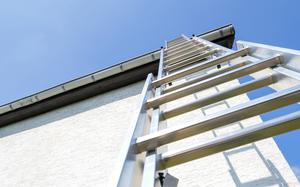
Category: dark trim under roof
<point>119,75</point>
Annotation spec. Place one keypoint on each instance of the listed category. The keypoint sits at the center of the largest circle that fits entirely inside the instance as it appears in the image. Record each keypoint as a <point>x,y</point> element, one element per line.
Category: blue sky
<point>45,43</point>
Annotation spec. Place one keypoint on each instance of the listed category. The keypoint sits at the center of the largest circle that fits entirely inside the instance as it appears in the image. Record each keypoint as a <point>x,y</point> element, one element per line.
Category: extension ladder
<point>141,158</point>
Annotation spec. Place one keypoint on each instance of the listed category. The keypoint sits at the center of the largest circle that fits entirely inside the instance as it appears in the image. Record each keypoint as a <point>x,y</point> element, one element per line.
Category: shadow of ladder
<point>275,178</point>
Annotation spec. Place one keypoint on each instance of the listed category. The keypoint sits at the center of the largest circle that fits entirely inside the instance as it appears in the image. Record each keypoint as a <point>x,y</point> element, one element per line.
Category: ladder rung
<point>203,77</point>
<point>189,61</point>
<point>181,49</point>
<point>194,57</point>
<point>252,108</point>
<point>185,55</point>
<point>176,41</point>
<point>169,51</point>
<point>184,50</point>
<point>228,76</point>
<point>213,98</point>
<point>178,46</point>
<point>261,131</point>
<point>200,67</point>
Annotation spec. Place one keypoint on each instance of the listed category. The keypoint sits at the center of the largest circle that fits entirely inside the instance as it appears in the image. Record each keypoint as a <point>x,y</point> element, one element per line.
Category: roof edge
<point>224,35</point>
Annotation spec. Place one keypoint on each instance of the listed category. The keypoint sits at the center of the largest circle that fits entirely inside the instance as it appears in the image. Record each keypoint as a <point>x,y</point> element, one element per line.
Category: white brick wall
<point>76,145</point>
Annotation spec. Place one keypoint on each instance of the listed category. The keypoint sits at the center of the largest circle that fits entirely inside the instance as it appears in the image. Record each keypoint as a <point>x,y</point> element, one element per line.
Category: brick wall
<point>76,145</point>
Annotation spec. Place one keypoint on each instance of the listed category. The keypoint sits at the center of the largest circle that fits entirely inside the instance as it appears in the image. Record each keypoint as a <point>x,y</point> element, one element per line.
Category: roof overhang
<point>122,74</point>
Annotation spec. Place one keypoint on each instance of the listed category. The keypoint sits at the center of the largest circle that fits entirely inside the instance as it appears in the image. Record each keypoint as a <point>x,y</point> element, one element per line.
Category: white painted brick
<point>77,145</point>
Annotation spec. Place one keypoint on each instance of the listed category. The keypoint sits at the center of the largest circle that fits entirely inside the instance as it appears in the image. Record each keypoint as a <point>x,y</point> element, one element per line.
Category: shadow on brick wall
<point>275,178</point>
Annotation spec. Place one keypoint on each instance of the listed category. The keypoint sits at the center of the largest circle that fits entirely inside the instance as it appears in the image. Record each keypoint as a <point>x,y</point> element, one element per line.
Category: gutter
<point>113,77</point>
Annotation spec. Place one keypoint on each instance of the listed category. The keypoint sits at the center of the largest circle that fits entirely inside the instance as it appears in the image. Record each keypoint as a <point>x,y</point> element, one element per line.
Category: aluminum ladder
<point>184,57</point>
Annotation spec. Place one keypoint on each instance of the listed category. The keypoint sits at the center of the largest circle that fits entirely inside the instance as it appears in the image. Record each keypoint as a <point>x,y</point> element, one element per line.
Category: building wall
<point>76,145</point>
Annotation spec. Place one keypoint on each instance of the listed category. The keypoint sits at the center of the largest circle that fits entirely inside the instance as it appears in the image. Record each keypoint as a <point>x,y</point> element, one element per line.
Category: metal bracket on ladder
<point>183,57</point>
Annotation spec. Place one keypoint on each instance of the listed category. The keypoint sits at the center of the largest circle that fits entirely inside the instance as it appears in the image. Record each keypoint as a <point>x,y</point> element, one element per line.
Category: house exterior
<point>72,134</point>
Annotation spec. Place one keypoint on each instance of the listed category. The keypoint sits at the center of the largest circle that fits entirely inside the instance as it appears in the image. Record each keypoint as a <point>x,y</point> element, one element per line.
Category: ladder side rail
<point>128,171</point>
<point>150,165</point>
<point>287,72</point>
<point>290,58</point>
